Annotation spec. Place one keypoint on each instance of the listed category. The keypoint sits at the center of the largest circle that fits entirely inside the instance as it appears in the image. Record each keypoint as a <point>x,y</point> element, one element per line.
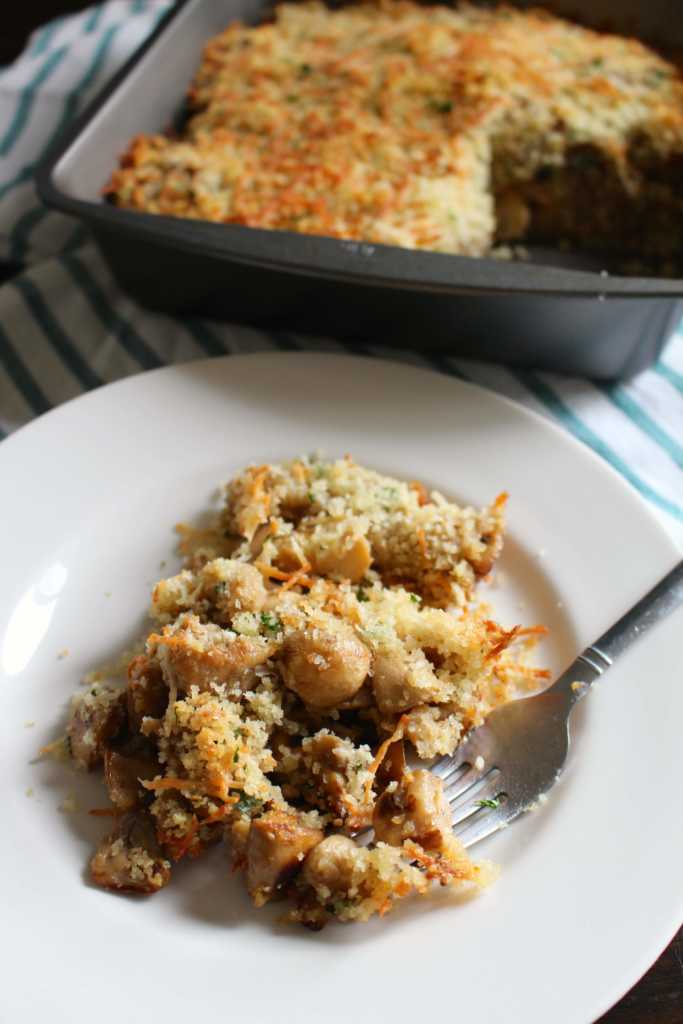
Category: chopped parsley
<point>247,803</point>
<point>415,598</point>
<point>489,803</point>
<point>305,69</point>
<point>656,75</point>
<point>361,595</point>
<point>270,622</point>
<point>236,757</point>
<point>341,904</point>
<point>441,106</point>
<point>311,496</point>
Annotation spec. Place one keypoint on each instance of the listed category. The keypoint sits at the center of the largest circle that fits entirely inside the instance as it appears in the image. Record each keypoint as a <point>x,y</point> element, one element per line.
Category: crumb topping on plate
<point>322,628</point>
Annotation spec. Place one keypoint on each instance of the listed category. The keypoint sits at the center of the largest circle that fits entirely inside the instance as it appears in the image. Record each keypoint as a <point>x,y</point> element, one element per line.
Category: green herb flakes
<point>441,106</point>
<point>247,803</point>
<point>270,622</point>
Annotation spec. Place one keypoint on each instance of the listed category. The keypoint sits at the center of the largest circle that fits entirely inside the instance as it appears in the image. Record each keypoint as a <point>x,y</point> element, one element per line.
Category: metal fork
<point>508,764</point>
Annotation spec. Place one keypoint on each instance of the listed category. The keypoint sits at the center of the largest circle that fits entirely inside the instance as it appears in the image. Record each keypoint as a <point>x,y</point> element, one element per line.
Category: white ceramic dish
<point>590,890</point>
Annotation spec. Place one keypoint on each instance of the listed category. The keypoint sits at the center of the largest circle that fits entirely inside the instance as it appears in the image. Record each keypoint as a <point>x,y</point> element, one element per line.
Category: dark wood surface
<point>658,996</point>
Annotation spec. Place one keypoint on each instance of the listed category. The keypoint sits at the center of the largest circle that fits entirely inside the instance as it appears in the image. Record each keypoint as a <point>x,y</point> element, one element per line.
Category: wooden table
<point>658,997</point>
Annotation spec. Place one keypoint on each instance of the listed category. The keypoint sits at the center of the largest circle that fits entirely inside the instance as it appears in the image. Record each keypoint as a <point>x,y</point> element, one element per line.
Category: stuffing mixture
<point>322,628</point>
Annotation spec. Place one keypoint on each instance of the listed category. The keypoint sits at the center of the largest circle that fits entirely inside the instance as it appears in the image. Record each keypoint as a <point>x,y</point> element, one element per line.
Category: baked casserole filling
<point>318,648</point>
<point>448,129</point>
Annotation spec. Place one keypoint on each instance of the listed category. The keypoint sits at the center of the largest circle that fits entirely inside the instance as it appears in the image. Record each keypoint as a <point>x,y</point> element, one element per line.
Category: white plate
<point>590,890</point>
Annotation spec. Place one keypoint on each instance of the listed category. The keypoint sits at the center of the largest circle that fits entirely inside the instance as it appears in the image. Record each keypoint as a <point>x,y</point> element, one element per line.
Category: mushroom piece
<point>325,666</point>
<point>333,766</point>
<point>97,715</point>
<point>146,694</point>
<point>332,865</point>
<point>233,587</point>
<point>202,654</point>
<point>414,808</point>
<point>363,698</point>
<point>129,859</point>
<point>350,562</point>
<point>401,680</point>
<point>123,770</point>
<point>275,850</point>
<point>393,766</point>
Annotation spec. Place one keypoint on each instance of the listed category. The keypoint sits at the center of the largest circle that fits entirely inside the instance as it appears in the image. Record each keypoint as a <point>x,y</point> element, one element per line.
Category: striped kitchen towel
<point>66,328</point>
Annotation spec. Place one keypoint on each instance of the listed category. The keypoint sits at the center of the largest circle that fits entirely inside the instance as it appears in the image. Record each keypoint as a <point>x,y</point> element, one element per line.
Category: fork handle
<point>655,606</point>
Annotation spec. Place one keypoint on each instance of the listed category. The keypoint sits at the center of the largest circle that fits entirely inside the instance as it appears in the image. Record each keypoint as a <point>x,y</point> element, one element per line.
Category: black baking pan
<point>551,311</point>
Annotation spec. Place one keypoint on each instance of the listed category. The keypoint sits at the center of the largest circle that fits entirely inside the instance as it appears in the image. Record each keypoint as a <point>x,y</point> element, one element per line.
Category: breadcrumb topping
<point>449,129</point>
<point>320,626</point>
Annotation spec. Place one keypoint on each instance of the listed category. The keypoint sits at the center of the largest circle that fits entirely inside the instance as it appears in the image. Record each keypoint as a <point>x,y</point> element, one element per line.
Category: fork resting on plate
<point>508,764</point>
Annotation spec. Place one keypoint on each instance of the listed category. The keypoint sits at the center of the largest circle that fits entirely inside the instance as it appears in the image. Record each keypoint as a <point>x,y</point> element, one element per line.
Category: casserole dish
<point>555,310</point>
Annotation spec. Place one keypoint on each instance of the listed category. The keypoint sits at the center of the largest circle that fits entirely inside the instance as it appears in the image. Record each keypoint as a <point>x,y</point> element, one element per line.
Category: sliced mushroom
<point>97,715</point>
<point>129,859</point>
<point>350,562</point>
<point>147,693</point>
<point>401,681</point>
<point>275,850</point>
<point>200,654</point>
<point>414,808</point>
<point>333,763</point>
<point>123,770</point>
<point>393,766</point>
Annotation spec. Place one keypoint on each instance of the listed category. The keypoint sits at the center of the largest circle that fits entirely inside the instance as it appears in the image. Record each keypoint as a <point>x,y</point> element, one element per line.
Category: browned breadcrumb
<point>443,128</point>
<point>302,647</point>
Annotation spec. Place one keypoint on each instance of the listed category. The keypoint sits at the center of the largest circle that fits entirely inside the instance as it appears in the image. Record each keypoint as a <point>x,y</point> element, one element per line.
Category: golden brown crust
<point>423,127</point>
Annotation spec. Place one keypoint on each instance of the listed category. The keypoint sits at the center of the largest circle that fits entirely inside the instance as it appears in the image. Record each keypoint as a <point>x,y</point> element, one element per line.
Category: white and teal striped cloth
<point>66,328</point>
